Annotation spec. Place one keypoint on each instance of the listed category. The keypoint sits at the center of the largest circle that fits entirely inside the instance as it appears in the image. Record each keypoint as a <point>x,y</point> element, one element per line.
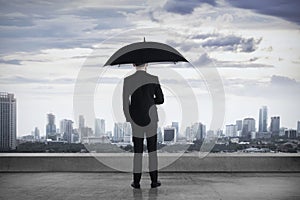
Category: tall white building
<point>122,132</point>
<point>99,127</point>
<point>81,122</point>
<point>231,130</point>
<point>198,130</point>
<point>66,129</point>
<point>239,125</point>
<point>176,126</point>
<point>188,134</point>
<point>36,133</point>
<point>263,119</point>
<point>8,122</point>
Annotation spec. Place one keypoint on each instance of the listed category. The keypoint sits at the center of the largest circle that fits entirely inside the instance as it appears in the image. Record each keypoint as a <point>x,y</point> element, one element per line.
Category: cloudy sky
<point>254,45</point>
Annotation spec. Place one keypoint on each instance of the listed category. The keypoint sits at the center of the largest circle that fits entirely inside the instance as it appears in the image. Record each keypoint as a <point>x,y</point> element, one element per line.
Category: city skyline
<point>102,124</point>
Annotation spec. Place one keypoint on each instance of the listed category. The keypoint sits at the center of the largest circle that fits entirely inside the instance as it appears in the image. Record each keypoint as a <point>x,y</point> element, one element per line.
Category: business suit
<point>141,93</point>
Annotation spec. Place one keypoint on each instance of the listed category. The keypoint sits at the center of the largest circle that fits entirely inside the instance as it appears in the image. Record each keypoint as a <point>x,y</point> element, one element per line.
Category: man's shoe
<point>155,184</point>
<point>135,185</point>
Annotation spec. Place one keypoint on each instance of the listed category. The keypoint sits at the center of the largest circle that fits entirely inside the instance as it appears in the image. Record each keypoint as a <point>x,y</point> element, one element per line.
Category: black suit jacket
<point>141,91</point>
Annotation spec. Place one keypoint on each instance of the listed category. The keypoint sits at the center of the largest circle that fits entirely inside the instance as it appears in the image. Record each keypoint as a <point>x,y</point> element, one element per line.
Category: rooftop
<point>68,185</point>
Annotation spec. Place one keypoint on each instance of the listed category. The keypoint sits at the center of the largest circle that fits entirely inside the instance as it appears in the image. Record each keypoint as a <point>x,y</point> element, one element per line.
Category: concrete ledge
<point>190,162</point>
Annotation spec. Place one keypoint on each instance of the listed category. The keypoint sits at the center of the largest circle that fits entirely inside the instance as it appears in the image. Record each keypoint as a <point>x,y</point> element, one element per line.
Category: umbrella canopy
<point>145,52</point>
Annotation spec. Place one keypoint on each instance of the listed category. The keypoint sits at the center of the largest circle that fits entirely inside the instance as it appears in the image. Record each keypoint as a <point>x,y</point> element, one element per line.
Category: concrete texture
<point>175,186</point>
<point>168,162</point>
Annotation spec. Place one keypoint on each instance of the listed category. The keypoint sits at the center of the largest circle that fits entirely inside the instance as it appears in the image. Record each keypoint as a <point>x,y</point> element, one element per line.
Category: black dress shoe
<point>135,185</point>
<point>155,184</point>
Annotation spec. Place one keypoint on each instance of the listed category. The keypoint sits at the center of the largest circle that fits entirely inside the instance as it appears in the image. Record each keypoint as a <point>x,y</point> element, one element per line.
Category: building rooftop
<point>67,185</point>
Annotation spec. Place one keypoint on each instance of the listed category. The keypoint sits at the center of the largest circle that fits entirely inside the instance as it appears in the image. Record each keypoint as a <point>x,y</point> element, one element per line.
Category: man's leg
<point>152,152</point>
<point>138,144</point>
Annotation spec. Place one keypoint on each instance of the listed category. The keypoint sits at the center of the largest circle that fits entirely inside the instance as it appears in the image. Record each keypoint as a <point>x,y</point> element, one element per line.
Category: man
<point>141,93</point>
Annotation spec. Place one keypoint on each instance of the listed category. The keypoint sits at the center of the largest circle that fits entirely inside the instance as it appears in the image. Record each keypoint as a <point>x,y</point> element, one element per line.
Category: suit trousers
<point>138,147</point>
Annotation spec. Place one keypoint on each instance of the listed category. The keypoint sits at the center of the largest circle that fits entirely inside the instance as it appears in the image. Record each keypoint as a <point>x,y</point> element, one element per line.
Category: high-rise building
<point>198,130</point>
<point>85,132</point>
<point>99,127</point>
<point>119,132</point>
<point>263,119</point>
<point>188,134</point>
<point>248,127</point>
<point>275,126</point>
<point>51,127</point>
<point>8,122</point>
<point>176,126</point>
<point>66,129</point>
<point>169,135</point>
<point>36,133</point>
<point>127,132</point>
<point>239,125</point>
<point>298,128</point>
<point>290,133</point>
<point>81,121</point>
<point>231,130</point>
<point>282,131</point>
<point>159,135</point>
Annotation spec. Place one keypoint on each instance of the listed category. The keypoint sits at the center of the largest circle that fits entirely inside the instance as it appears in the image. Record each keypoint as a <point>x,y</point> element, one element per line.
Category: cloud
<point>33,26</point>
<point>11,62</point>
<point>204,60</point>
<point>277,87</point>
<point>218,41</point>
<point>284,81</point>
<point>26,80</point>
<point>185,7</point>
<point>57,81</point>
<point>232,43</point>
<point>288,10</point>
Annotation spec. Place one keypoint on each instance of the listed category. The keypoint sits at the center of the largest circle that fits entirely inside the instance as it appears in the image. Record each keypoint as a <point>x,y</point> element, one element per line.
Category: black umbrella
<point>145,52</point>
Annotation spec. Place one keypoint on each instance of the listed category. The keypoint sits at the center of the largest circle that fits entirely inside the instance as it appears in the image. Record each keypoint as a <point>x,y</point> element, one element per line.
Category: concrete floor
<point>73,186</point>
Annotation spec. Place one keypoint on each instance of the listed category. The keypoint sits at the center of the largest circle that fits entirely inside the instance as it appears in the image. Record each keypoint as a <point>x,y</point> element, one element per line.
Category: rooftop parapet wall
<point>191,162</point>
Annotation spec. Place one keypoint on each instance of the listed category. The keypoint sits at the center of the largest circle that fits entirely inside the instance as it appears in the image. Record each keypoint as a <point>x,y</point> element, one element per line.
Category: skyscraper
<point>169,135</point>
<point>248,127</point>
<point>127,132</point>
<point>188,134</point>
<point>239,125</point>
<point>81,121</point>
<point>36,133</point>
<point>198,130</point>
<point>8,120</point>
<point>118,132</point>
<point>290,133</point>
<point>66,128</point>
<point>51,127</point>
<point>122,132</point>
<point>175,125</point>
<point>99,127</point>
<point>275,126</point>
<point>263,119</point>
<point>159,135</point>
<point>231,130</point>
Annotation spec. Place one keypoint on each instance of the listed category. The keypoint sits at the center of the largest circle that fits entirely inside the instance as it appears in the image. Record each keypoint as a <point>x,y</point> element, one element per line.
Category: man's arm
<point>159,96</point>
<point>126,101</point>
